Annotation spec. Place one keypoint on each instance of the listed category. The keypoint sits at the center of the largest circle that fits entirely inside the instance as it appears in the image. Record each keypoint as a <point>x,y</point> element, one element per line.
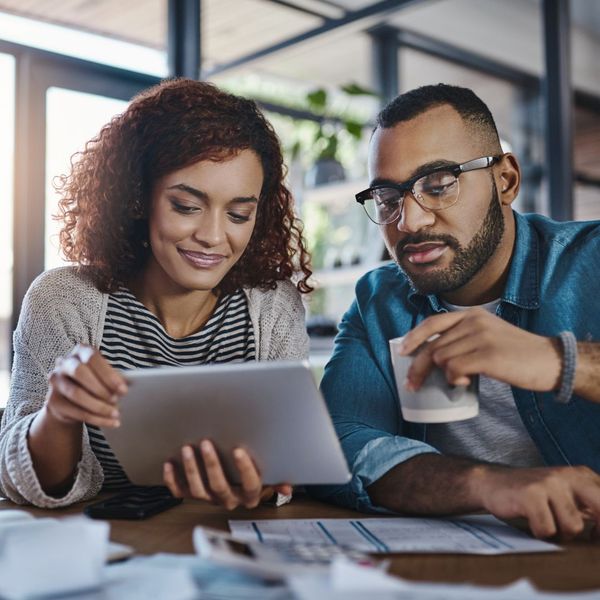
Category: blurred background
<point>321,69</point>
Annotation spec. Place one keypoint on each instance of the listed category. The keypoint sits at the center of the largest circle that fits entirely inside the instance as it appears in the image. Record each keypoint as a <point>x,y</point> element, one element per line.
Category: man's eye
<point>438,183</point>
<point>386,198</point>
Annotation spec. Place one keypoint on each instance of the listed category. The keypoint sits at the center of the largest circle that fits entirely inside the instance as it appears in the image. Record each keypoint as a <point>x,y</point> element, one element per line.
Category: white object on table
<point>41,557</point>
<point>472,534</point>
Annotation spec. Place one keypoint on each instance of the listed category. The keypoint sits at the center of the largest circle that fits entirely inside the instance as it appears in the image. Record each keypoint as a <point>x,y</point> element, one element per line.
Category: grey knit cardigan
<point>63,308</point>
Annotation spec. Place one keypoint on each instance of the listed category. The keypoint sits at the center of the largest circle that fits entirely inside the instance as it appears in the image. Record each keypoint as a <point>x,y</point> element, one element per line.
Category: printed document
<point>473,534</point>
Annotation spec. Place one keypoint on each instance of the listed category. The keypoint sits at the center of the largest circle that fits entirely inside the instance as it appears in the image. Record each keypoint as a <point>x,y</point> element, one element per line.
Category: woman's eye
<point>239,218</point>
<point>183,208</point>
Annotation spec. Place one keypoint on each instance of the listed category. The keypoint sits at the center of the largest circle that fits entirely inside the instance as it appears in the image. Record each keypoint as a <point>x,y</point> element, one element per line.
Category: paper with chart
<point>473,534</point>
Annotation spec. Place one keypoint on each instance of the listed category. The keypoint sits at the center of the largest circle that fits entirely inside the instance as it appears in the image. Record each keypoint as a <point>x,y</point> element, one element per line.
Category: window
<point>73,118</point>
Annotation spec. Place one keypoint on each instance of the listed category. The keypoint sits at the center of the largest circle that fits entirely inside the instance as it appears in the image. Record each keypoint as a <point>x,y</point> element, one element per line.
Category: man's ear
<point>508,178</point>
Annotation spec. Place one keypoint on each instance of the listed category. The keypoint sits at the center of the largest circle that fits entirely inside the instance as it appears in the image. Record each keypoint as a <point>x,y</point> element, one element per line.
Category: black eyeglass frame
<point>475,164</point>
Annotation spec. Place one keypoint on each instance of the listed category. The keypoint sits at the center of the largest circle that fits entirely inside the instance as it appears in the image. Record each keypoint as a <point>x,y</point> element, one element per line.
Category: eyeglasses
<point>435,190</point>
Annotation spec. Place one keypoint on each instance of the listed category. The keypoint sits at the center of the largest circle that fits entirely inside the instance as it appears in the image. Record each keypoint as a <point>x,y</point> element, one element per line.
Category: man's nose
<point>413,217</point>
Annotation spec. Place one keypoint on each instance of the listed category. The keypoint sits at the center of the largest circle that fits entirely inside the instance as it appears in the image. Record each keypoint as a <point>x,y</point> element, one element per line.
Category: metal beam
<point>183,44</point>
<point>558,97</point>
<point>353,18</point>
<point>385,62</point>
<point>302,9</point>
<point>478,62</point>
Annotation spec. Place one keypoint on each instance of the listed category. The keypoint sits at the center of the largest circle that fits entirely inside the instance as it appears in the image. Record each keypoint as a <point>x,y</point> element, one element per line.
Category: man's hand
<point>474,342</point>
<point>554,500</point>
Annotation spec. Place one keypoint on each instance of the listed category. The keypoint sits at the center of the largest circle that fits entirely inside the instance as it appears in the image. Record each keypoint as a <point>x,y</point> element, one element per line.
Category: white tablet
<point>272,409</point>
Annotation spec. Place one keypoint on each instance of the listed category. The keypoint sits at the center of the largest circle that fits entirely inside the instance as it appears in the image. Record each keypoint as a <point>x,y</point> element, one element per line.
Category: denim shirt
<point>553,285</point>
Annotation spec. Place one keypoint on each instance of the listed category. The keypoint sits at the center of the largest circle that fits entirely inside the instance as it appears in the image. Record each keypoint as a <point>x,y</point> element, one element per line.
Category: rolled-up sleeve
<point>365,413</point>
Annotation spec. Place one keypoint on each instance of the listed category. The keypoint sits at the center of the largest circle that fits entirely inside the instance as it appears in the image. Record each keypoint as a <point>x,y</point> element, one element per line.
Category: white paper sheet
<point>348,581</point>
<point>473,534</point>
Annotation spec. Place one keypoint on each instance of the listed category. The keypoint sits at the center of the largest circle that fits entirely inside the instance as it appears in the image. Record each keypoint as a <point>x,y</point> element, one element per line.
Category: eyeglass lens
<point>434,191</point>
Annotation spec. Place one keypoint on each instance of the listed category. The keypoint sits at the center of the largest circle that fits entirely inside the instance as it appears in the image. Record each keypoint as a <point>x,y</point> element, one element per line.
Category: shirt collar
<point>522,286</point>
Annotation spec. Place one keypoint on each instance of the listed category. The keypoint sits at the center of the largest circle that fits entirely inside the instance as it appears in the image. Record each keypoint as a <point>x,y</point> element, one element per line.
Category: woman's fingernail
<point>188,452</point>
<point>206,447</point>
<point>117,423</point>
<point>122,389</point>
<point>238,453</point>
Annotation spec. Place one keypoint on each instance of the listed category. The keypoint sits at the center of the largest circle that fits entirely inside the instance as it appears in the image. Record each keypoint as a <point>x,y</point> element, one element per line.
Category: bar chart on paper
<point>473,534</point>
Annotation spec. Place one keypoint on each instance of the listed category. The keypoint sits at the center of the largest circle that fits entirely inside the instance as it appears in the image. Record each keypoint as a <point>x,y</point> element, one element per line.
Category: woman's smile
<point>202,260</point>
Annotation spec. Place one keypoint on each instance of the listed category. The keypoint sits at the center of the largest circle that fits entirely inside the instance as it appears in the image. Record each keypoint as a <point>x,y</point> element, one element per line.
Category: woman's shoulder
<point>285,292</point>
<point>63,284</point>
<point>65,296</point>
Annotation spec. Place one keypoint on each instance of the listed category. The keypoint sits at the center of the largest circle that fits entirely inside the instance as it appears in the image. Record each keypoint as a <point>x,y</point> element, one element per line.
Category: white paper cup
<point>436,401</point>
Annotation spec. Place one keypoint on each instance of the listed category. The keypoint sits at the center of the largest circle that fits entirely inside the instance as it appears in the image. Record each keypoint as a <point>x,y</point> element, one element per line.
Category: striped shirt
<point>133,337</point>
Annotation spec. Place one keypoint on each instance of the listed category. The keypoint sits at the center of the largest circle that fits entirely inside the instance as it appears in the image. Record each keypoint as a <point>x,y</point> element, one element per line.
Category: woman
<point>184,240</point>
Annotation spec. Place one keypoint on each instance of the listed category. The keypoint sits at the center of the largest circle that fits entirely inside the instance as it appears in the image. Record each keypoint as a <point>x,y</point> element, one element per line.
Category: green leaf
<point>317,99</point>
<point>353,89</point>
<point>295,150</point>
<point>330,148</point>
<point>354,128</point>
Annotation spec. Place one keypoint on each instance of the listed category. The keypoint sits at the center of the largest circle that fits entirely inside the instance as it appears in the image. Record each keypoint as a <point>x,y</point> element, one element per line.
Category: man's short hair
<point>467,104</point>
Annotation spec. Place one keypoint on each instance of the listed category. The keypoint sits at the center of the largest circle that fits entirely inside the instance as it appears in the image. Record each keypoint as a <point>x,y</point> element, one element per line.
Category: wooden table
<point>576,568</point>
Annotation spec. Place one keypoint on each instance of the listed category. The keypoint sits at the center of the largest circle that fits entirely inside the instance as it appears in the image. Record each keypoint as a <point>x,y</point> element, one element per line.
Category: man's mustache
<point>420,238</point>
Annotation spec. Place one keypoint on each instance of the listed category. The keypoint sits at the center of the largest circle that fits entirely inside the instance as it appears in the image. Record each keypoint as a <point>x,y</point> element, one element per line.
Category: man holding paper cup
<point>490,399</point>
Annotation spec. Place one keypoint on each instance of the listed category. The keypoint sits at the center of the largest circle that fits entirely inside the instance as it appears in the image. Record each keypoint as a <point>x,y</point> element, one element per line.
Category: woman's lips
<point>421,254</point>
<point>202,260</point>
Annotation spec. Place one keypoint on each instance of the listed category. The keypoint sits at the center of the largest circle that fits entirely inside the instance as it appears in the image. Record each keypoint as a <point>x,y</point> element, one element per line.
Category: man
<point>508,294</point>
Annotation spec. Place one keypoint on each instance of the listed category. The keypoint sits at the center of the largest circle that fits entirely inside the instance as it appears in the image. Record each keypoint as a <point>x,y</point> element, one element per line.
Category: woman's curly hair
<point>105,198</point>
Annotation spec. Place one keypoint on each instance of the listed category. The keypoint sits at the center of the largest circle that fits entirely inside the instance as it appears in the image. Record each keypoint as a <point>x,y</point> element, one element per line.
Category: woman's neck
<point>181,311</point>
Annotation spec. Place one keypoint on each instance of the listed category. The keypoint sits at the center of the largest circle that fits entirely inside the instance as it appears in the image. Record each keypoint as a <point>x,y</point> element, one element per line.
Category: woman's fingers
<point>83,400</point>
<point>249,477</point>
<point>172,481</point>
<point>206,480</point>
<point>88,386</point>
<point>102,369</point>
<point>81,373</point>
<point>217,482</point>
<point>285,488</point>
<point>195,485</point>
<point>66,411</point>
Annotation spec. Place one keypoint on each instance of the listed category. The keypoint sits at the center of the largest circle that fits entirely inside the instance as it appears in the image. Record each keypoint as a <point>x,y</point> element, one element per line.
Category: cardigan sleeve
<point>50,324</point>
<point>281,321</point>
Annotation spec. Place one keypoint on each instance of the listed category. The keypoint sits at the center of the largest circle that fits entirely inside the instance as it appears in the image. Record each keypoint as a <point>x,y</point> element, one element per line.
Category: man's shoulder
<point>564,234</point>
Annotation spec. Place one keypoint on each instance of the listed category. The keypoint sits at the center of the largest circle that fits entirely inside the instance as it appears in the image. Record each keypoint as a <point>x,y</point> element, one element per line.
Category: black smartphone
<point>139,502</point>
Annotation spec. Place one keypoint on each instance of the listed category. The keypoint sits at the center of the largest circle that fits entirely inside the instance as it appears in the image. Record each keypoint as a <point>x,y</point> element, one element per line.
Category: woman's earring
<point>146,244</point>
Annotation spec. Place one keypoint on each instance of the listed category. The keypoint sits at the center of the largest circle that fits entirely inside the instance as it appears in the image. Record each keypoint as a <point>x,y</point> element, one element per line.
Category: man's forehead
<point>437,134</point>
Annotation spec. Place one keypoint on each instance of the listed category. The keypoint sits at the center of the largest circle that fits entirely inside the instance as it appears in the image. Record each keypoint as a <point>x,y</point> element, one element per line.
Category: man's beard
<point>467,261</point>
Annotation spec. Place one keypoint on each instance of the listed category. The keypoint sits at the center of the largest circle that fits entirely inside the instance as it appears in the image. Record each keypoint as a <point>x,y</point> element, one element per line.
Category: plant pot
<point>325,170</point>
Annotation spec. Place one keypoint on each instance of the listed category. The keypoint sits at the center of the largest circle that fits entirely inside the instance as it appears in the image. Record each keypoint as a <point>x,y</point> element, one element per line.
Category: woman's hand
<point>207,481</point>
<point>85,388</point>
